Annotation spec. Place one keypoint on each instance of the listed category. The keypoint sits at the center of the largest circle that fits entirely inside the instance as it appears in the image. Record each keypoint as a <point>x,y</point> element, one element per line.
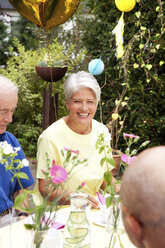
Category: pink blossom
<point>101,198</point>
<point>58,174</point>
<point>53,162</point>
<point>57,225</point>
<point>47,221</point>
<point>126,135</point>
<point>82,184</point>
<point>72,151</point>
<point>127,159</point>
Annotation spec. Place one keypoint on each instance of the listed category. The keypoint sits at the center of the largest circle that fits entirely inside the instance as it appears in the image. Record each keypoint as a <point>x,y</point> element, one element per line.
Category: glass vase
<point>77,230</point>
<point>36,238</point>
<point>115,233</point>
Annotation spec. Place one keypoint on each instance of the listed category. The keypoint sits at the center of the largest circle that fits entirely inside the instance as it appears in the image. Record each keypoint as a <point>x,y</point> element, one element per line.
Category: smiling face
<point>82,107</point>
<point>8,103</point>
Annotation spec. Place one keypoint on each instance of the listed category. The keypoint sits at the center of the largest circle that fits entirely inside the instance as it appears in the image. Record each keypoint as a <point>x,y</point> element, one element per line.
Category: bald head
<point>7,86</point>
<point>143,188</point>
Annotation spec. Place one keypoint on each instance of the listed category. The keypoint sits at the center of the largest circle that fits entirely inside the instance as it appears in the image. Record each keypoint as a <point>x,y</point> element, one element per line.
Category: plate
<point>98,220</point>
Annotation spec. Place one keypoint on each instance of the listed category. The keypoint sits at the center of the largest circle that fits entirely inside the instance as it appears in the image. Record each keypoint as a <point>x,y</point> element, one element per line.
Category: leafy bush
<point>138,77</point>
<point>27,120</point>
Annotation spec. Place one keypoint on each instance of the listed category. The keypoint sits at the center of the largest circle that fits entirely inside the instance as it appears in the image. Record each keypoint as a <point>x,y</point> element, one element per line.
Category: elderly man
<point>143,199</point>
<point>8,189</point>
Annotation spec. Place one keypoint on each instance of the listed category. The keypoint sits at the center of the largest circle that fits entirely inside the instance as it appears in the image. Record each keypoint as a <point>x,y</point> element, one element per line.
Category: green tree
<point>138,77</point>
<point>26,32</point>
<point>4,43</point>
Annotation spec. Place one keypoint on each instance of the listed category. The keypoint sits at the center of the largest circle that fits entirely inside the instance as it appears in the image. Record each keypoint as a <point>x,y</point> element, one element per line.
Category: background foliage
<point>20,68</point>
<point>136,79</point>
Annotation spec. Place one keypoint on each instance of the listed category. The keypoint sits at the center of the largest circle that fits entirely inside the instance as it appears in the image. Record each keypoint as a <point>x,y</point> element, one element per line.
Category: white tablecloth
<point>98,235</point>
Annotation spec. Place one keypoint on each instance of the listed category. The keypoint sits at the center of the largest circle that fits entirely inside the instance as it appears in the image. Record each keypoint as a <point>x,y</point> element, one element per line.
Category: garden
<point>122,46</point>
<point>133,90</point>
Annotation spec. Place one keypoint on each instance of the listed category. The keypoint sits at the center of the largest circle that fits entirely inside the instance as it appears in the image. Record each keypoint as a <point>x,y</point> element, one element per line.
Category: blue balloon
<point>96,66</point>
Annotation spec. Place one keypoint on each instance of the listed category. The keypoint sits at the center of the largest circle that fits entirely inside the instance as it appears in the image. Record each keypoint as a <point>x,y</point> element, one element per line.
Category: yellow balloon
<point>125,5</point>
<point>46,13</point>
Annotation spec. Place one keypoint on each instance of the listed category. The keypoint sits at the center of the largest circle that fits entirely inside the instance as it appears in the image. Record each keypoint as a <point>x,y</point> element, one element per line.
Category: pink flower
<point>47,221</point>
<point>127,159</point>
<point>58,174</point>
<point>101,198</point>
<point>53,162</point>
<point>72,151</point>
<point>126,135</point>
<point>57,225</point>
<point>82,184</point>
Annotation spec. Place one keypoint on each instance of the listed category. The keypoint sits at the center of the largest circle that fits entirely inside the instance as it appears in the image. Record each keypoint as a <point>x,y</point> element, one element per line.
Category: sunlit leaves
<point>138,14</point>
<point>161,63</point>
<point>149,66</point>
<point>135,66</point>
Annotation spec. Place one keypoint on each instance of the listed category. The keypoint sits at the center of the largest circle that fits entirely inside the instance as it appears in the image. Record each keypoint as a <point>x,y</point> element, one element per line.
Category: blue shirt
<point>7,188</point>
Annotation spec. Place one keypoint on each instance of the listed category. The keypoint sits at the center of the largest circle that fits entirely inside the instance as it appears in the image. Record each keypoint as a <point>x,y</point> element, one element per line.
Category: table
<point>98,234</point>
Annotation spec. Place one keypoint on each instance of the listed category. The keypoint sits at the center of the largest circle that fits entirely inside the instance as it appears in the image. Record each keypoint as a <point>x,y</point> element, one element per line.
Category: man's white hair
<point>7,85</point>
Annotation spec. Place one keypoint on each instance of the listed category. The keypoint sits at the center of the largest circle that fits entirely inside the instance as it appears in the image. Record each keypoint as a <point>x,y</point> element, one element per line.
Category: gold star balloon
<point>46,13</point>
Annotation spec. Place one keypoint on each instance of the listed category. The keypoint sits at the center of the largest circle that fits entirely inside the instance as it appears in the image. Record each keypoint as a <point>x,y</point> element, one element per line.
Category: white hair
<point>6,85</point>
<point>81,79</point>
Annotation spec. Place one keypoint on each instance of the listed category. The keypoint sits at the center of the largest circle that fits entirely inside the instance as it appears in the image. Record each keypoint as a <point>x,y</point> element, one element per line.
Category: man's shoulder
<point>10,138</point>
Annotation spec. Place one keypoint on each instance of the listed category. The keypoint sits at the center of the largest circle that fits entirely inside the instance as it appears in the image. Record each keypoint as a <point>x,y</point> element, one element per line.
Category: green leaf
<point>161,63</point>
<point>123,84</point>
<point>135,66</point>
<point>108,188</point>
<point>108,177</point>
<point>143,28</point>
<point>30,226</point>
<point>134,152</point>
<point>102,161</point>
<point>110,161</point>
<point>153,50</point>
<point>109,201</point>
<point>126,98</point>
<point>149,66</point>
<point>141,46</point>
<point>19,200</point>
<point>101,149</point>
<point>138,14</point>
<point>117,102</point>
<point>22,175</point>
<point>124,104</point>
<point>157,8</point>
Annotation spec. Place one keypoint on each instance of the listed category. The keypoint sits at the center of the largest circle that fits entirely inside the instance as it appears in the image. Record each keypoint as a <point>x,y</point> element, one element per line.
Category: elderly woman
<point>77,131</point>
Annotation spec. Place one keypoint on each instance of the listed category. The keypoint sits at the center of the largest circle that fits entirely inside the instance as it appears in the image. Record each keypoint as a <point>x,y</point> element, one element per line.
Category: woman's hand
<point>92,200</point>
